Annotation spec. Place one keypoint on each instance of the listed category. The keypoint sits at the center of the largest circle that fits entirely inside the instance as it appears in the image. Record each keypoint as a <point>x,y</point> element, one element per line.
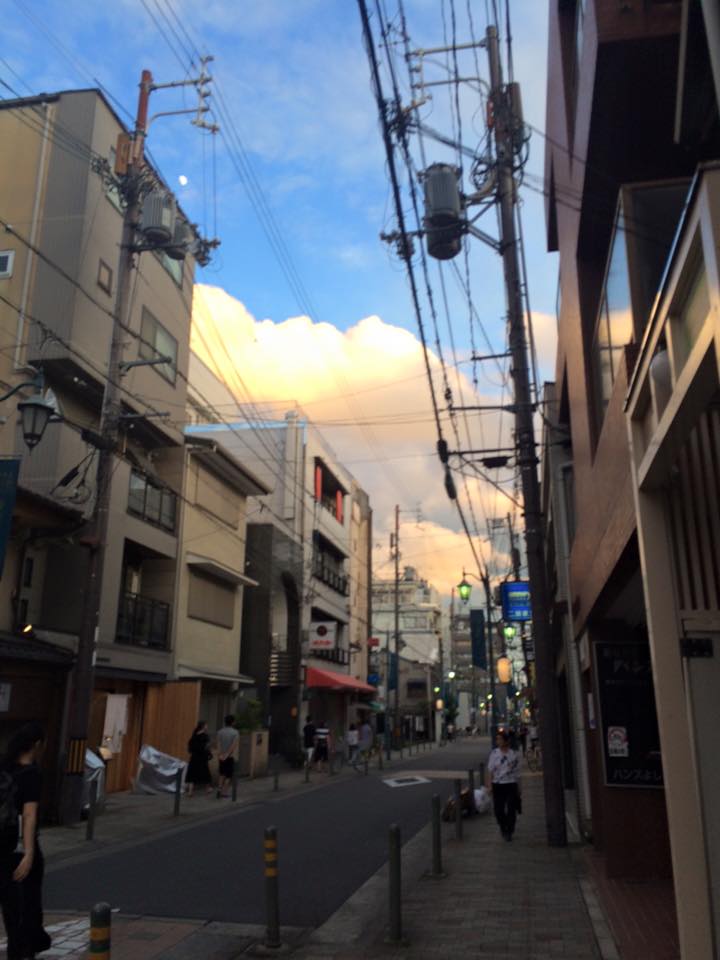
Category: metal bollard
<point>331,765</point>
<point>178,791</point>
<point>437,870</point>
<point>471,788</point>
<point>380,759</point>
<point>272,900</point>
<point>481,770</point>
<point>234,784</point>
<point>100,916</point>
<point>276,781</point>
<point>458,810</point>
<point>307,771</point>
<point>395,886</point>
<point>365,766</point>
<point>90,825</point>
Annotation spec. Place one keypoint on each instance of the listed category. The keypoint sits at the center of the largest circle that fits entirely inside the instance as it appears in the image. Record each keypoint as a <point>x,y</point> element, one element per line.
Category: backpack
<point>9,812</point>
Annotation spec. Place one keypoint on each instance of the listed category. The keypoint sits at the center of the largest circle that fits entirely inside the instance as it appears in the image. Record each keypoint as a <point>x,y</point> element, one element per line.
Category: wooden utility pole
<point>396,708</point>
<point>527,458</point>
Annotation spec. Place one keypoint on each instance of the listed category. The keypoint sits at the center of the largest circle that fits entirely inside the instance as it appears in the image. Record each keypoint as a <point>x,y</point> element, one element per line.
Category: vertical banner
<point>9,469</point>
<point>477,639</point>
<point>393,678</point>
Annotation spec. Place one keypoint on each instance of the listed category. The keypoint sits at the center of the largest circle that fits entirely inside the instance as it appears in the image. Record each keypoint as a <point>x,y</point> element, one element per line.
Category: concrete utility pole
<point>71,795</point>
<point>527,459</point>
<point>396,709</point>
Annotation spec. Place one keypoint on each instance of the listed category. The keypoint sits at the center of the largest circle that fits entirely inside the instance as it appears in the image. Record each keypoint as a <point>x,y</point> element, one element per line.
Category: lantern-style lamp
<point>464,589</point>
<point>504,670</point>
<point>509,631</point>
<point>35,413</point>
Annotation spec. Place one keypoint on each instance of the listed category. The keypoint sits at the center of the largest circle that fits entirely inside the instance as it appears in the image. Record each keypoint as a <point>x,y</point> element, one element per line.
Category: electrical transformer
<point>158,217</point>
<point>444,221</point>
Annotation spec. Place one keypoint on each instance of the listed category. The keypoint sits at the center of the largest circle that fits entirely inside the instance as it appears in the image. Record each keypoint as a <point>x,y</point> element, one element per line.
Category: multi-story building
<point>419,614</point>
<point>59,288</point>
<point>632,208</point>
<point>309,539</point>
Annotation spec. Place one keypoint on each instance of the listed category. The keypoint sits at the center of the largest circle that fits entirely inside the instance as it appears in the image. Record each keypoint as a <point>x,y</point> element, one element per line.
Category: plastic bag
<point>482,800</point>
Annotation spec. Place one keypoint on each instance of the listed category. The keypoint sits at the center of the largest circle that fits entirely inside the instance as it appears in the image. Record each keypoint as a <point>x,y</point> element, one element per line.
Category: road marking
<point>405,781</point>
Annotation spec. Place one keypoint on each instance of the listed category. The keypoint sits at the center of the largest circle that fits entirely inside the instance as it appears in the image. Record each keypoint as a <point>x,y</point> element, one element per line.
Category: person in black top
<point>21,860</point>
<point>198,771</point>
<point>309,740</point>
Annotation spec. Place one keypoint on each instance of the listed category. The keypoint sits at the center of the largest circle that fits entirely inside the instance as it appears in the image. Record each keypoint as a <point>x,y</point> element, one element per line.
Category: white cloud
<point>366,390</point>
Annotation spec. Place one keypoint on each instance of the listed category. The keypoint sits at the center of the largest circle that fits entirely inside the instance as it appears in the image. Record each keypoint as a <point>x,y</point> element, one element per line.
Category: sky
<point>313,307</point>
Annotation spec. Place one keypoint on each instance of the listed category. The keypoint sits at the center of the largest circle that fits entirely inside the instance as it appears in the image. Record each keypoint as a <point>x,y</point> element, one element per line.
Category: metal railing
<point>143,622</point>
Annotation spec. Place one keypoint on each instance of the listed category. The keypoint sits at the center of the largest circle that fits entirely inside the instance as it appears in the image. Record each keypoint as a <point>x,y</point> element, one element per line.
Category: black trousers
<point>505,805</point>
<point>22,908</point>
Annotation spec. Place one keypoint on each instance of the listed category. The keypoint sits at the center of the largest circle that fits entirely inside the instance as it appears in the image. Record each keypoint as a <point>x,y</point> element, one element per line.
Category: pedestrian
<point>226,740</point>
<point>198,771</point>
<point>309,731</point>
<point>21,860</point>
<point>352,739</point>
<point>366,739</point>
<point>322,743</point>
<point>503,771</point>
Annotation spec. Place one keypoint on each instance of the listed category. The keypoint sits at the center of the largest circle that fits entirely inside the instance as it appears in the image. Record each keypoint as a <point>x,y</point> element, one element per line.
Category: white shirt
<point>504,766</point>
<point>352,738</point>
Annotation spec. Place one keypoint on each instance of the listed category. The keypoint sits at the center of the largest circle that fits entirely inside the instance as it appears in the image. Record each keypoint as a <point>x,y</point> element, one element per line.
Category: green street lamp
<point>509,631</point>
<point>464,589</point>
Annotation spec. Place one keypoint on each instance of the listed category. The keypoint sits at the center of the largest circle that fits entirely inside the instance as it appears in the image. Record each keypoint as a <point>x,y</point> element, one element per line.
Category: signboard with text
<point>323,635</point>
<point>515,596</point>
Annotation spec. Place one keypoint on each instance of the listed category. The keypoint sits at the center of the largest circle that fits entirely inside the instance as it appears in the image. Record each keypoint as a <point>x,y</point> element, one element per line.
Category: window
<point>211,599</point>
<point>151,502</point>
<point>691,312</point>
<point>614,328</point>
<point>7,258</point>
<point>156,342</point>
<point>105,277</point>
<point>173,267</point>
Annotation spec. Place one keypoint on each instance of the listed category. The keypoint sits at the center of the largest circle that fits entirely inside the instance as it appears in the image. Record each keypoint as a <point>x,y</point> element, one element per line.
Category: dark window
<point>211,599</point>
<point>156,342</point>
<point>28,571</point>
<point>151,502</point>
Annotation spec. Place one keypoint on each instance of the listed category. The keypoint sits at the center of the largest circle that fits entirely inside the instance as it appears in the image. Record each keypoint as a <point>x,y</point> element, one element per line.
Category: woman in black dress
<point>198,771</point>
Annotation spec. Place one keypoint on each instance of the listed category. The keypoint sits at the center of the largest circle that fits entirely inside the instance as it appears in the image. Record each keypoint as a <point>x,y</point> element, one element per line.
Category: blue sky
<point>295,80</point>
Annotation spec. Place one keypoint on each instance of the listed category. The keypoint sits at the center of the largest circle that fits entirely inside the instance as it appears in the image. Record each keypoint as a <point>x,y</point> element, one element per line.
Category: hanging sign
<point>515,596</point>
<point>323,635</point>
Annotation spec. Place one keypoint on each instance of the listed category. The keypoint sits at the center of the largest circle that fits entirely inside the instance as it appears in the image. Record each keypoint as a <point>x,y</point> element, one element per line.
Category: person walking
<point>352,739</point>
<point>21,860</point>
<point>226,740</point>
<point>504,771</point>
<point>309,731</point>
<point>198,771</point>
<point>322,743</point>
<point>366,739</point>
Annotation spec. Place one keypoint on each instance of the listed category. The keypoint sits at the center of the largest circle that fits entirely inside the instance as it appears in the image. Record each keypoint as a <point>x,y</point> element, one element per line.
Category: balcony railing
<point>333,656</point>
<point>330,576</point>
<point>143,622</point>
<point>151,502</point>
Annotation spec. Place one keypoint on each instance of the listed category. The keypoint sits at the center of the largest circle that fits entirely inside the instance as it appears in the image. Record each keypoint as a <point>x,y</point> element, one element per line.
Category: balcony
<point>338,655</point>
<point>329,575</point>
<point>152,502</point>
<point>143,622</point>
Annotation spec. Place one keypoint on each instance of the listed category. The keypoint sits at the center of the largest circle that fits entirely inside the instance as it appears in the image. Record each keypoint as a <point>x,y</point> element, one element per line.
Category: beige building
<point>211,579</point>
<point>58,292</point>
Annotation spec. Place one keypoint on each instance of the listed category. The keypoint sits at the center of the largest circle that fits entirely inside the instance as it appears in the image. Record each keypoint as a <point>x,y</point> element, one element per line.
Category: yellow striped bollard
<point>100,932</point>
<point>272,900</point>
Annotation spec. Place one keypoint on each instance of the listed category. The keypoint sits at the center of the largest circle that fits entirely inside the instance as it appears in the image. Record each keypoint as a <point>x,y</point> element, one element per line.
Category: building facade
<point>632,90</point>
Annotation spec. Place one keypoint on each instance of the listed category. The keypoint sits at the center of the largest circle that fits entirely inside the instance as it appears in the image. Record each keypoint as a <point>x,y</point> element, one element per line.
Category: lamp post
<point>464,590</point>
<point>35,412</point>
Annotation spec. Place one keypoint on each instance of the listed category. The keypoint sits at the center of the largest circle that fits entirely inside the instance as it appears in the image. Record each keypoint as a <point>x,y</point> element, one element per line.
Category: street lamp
<point>36,411</point>
<point>464,590</point>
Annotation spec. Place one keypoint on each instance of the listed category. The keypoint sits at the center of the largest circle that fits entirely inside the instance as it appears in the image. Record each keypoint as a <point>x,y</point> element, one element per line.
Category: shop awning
<point>335,681</point>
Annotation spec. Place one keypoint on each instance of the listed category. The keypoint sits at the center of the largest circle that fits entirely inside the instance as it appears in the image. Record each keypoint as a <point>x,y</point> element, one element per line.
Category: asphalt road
<point>330,841</point>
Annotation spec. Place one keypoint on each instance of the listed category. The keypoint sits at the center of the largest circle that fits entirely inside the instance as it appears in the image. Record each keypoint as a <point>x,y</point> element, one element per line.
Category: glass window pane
<point>617,294</point>
<point>136,496</point>
<point>168,510</point>
<point>152,503</point>
<point>166,346</point>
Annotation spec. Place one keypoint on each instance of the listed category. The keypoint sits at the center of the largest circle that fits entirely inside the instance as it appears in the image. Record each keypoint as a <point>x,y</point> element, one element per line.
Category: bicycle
<point>533,758</point>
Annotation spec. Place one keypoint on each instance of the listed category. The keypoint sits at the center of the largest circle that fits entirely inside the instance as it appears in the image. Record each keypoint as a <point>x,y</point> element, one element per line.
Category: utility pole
<point>396,708</point>
<point>527,459</point>
<point>515,554</point>
<point>71,796</point>
<point>134,185</point>
<point>490,652</point>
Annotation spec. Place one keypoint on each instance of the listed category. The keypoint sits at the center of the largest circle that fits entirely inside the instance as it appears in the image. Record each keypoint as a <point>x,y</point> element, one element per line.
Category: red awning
<point>335,681</point>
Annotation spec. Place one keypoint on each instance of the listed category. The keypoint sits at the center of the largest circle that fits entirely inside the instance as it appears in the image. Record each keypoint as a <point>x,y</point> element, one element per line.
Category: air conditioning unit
<point>158,217</point>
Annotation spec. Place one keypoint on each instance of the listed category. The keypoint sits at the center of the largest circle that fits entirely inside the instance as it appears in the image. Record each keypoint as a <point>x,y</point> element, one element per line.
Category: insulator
<point>450,484</point>
<point>443,452</point>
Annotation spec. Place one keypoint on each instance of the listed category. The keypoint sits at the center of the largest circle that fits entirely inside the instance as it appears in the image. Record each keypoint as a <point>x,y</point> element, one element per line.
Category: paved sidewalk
<point>519,899</point>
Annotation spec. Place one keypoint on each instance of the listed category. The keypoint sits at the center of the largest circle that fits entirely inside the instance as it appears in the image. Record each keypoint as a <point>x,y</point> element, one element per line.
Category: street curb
<point>598,919</point>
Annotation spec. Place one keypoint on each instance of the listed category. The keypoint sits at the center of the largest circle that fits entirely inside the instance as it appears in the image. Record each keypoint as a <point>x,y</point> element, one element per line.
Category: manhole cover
<point>405,781</point>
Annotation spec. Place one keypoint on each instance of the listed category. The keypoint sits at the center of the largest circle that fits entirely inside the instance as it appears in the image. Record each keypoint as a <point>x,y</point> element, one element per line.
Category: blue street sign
<point>516,604</point>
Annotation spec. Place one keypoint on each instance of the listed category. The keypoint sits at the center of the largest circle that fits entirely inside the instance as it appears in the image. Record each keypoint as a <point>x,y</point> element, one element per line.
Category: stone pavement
<point>499,899</point>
